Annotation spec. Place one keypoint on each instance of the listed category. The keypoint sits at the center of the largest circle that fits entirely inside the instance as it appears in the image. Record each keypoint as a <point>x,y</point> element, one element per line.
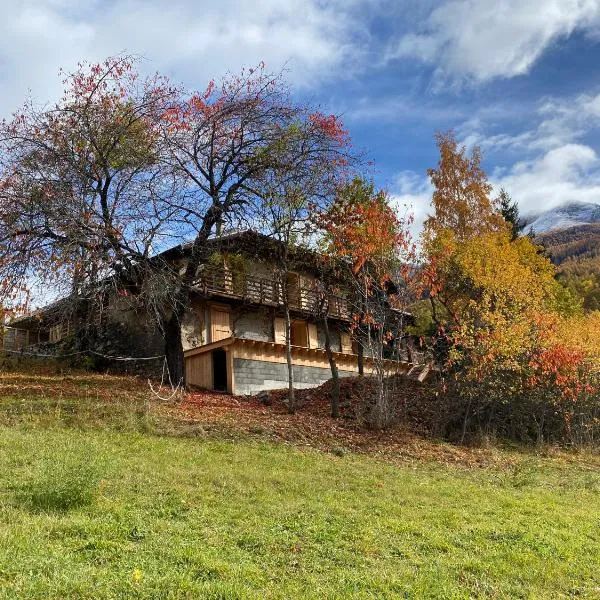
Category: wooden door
<point>220,326</point>
<point>299,334</point>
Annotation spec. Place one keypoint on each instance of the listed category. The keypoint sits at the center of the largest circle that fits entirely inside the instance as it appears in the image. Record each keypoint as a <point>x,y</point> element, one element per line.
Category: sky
<point>519,78</point>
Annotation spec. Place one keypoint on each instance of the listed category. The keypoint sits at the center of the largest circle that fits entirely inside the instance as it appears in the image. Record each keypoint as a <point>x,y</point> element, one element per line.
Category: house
<point>233,332</point>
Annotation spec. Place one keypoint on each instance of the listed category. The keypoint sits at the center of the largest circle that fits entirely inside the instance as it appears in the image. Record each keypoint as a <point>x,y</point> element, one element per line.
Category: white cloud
<point>555,163</point>
<point>480,40</point>
<point>191,40</point>
<point>568,173</point>
<point>556,122</point>
<point>386,109</point>
<point>413,192</point>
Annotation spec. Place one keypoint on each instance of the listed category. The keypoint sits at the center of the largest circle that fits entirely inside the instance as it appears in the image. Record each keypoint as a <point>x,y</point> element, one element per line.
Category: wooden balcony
<point>220,281</point>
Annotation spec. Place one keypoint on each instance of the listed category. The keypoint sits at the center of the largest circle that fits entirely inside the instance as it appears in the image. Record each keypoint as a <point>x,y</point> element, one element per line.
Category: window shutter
<point>279,330</point>
<point>346,343</point>
<point>220,327</point>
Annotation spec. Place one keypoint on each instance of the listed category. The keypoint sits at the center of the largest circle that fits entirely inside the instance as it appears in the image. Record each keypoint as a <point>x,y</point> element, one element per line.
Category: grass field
<point>101,497</point>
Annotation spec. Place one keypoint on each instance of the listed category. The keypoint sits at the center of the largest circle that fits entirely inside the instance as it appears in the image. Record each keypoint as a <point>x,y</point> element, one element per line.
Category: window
<point>302,334</point>
<point>59,331</point>
<point>299,333</point>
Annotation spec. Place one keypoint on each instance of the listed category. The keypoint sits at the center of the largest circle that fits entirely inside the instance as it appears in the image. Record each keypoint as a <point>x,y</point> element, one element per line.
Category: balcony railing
<point>263,290</point>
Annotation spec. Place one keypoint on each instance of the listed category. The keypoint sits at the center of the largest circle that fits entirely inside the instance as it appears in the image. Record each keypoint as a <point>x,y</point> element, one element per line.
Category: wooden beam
<point>209,347</point>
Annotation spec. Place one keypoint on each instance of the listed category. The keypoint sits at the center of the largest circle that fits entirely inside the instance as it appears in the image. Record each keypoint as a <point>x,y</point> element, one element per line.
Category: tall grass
<point>63,486</point>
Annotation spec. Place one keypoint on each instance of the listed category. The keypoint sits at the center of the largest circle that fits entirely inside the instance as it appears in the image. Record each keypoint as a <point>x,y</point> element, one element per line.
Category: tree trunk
<point>361,357</point>
<point>335,376</point>
<point>181,299</point>
<point>290,366</point>
<point>174,350</point>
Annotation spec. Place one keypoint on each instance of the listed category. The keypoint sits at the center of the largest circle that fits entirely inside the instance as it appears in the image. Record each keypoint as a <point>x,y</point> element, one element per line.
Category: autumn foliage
<point>363,228</point>
<point>515,345</point>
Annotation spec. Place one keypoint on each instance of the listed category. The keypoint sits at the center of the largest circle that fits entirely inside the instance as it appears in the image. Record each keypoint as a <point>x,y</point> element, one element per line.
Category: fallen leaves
<point>216,414</point>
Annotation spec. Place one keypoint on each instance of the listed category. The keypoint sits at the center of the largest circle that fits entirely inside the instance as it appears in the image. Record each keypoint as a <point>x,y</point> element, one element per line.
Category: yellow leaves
<point>505,299</point>
<point>581,332</point>
<point>503,307</point>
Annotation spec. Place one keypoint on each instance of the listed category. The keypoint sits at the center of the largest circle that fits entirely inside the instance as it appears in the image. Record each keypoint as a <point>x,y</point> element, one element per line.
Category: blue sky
<point>518,77</point>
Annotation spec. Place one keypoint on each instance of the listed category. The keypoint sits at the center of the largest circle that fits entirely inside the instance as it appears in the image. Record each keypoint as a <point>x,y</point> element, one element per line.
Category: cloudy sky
<point>518,77</point>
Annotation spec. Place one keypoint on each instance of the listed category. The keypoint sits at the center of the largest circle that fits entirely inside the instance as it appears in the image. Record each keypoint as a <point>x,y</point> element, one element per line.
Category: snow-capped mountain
<point>562,217</point>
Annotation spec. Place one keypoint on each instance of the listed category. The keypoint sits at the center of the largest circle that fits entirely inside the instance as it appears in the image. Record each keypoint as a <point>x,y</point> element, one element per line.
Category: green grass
<point>186,518</point>
<point>94,503</point>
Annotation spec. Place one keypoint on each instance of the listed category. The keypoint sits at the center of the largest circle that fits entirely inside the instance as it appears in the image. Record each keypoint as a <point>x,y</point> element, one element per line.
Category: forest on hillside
<point>576,252</point>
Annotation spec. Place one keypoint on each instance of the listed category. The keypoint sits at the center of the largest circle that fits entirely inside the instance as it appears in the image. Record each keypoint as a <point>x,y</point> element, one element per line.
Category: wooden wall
<point>199,370</point>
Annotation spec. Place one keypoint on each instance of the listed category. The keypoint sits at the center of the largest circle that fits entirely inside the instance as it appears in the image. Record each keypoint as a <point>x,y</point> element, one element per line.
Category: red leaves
<point>330,125</point>
<point>363,227</point>
<point>560,366</point>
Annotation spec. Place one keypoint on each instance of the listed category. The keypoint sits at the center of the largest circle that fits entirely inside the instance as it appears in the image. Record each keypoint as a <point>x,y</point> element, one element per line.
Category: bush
<point>504,405</point>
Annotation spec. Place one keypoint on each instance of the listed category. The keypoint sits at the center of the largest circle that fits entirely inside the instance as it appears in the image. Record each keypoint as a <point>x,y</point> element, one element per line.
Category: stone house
<point>233,332</point>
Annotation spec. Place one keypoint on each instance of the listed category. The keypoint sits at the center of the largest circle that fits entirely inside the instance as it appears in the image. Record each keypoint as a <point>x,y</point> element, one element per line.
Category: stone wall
<point>334,336</point>
<point>252,376</point>
<point>194,329</point>
<point>253,325</point>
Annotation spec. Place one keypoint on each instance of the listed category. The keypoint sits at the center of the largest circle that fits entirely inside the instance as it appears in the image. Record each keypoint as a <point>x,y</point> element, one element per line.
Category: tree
<point>82,191</point>
<point>288,198</point>
<point>462,210</point>
<point>461,198</point>
<point>510,213</point>
<point>366,238</point>
<point>233,145</point>
<point>284,216</point>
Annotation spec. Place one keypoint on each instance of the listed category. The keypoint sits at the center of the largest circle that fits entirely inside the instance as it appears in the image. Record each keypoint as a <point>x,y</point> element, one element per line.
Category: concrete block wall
<point>253,376</point>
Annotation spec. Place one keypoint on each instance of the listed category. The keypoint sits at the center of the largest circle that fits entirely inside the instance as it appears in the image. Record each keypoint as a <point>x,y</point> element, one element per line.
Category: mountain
<point>570,235</point>
<point>565,216</point>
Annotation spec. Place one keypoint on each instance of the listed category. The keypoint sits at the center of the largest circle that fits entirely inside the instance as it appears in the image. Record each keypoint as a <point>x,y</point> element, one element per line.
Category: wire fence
<point>65,355</point>
<point>165,377</point>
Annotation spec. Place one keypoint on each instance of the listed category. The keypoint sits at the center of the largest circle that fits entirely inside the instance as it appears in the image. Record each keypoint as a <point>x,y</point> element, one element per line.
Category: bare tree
<point>82,191</point>
<point>232,146</point>
<point>120,169</point>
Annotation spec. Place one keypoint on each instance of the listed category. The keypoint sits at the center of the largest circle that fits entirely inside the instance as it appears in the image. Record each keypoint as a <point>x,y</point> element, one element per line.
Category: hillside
<point>107,493</point>
<point>581,242</point>
<point>576,251</point>
<point>570,234</point>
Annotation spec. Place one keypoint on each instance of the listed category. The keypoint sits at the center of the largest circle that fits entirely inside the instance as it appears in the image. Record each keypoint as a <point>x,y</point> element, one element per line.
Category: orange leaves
<point>461,199</point>
<point>561,366</point>
<point>362,226</point>
<point>364,232</point>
